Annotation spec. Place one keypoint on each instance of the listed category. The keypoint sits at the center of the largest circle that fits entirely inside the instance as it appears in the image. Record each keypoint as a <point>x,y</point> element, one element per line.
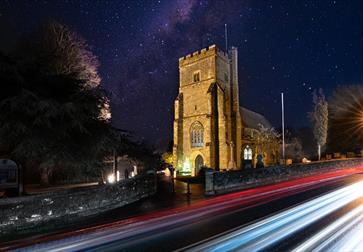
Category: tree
<point>346,119</point>
<point>267,134</point>
<point>306,136</point>
<point>168,158</point>
<point>319,119</point>
<point>54,112</point>
<point>63,52</point>
<point>267,141</point>
<point>293,146</point>
<point>293,149</point>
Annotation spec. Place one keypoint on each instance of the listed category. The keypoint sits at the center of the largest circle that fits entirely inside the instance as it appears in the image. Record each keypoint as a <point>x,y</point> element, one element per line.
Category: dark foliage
<point>54,117</point>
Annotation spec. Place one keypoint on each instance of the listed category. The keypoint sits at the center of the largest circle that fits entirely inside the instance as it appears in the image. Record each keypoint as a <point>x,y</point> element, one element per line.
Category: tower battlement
<point>208,51</point>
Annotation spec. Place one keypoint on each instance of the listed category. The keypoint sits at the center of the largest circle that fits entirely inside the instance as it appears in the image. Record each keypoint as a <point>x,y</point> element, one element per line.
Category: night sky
<point>289,46</point>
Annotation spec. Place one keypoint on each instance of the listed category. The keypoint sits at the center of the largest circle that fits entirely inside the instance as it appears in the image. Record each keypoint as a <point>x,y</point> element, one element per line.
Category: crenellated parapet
<point>212,50</point>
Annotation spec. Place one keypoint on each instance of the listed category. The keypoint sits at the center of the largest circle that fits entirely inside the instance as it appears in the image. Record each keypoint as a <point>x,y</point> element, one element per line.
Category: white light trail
<point>271,230</point>
<point>342,235</point>
<point>265,228</point>
<point>351,241</point>
<point>326,237</point>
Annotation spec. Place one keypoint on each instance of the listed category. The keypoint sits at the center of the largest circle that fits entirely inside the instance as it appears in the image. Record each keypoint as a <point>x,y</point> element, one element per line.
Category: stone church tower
<point>207,122</point>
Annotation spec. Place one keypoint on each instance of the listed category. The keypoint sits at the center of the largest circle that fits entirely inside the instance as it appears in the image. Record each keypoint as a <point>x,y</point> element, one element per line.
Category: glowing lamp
<point>186,165</point>
<point>111,178</point>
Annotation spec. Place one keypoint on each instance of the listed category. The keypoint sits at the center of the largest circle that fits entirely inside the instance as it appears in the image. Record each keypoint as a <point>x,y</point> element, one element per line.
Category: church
<point>210,127</point>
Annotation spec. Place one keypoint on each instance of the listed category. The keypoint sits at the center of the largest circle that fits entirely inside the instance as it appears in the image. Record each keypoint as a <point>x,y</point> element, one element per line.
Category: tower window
<point>196,76</point>
<point>197,135</point>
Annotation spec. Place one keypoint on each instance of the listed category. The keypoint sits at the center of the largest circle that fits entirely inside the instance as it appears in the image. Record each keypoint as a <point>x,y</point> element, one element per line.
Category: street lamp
<point>283,126</point>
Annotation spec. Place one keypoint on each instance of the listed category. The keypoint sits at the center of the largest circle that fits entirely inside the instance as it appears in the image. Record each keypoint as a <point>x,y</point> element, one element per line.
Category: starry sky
<point>290,46</point>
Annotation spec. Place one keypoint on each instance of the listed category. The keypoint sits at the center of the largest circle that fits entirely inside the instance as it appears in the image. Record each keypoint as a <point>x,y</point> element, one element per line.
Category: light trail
<point>352,240</point>
<point>270,231</point>
<point>326,237</point>
<point>166,220</point>
<point>343,234</point>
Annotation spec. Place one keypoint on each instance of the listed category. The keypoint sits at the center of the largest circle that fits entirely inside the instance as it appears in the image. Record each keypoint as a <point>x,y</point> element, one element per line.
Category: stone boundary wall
<point>24,214</point>
<point>223,182</point>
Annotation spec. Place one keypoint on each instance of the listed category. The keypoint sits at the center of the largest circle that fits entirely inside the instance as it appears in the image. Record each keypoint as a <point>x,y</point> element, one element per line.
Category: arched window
<point>247,153</point>
<point>197,135</point>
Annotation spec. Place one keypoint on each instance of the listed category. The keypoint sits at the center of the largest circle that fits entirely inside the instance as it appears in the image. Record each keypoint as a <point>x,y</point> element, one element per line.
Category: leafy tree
<point>168,158</point>
<point>319,119</point>
<point>55,111</point>
<point>267,141</point>
<point>267,134</point>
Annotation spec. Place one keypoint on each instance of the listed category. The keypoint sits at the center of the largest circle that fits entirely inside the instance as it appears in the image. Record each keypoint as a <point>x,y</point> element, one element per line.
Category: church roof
<point>251,119</point>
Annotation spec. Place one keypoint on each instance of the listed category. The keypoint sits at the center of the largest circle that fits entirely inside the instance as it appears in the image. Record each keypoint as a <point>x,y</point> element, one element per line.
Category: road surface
<point>299,215</point>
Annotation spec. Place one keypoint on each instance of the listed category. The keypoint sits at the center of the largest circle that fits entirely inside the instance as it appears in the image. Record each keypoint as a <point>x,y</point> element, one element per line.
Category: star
<point>289,46</point>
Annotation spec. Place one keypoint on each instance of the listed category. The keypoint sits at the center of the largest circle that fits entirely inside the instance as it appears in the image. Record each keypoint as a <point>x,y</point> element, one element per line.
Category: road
<point>298,215</point>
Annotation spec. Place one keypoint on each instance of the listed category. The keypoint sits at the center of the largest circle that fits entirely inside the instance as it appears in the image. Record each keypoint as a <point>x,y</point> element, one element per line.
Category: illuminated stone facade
<point>207,120</point>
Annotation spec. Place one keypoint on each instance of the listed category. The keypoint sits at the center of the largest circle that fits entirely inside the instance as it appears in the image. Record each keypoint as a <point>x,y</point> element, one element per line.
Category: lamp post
<point>283,126</point>
<point>115,164</point>
<point>171,169</point>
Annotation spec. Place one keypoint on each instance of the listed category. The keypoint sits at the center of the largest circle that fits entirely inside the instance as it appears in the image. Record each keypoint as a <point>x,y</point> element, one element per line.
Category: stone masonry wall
<point>61,208</point>
<point>222,182</point>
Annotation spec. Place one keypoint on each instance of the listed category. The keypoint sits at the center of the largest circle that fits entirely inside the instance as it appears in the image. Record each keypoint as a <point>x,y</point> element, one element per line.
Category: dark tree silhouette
<point>52,109</point>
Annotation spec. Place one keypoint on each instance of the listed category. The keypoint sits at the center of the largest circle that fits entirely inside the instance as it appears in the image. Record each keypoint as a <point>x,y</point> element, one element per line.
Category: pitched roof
<point>251,119</point>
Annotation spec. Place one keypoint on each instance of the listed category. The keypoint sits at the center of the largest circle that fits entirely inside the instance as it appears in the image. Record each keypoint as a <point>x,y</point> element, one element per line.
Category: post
<point>283,126</point>
<point>20,180</point>
<point>171,170</point>
<point>115,164</point>
<point>319,152</point>
<point>173,183</point>
<point>225,36</point>
<point>209,183</point>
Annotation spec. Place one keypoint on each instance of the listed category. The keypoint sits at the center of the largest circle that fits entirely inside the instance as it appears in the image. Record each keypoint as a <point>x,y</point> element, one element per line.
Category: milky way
<point>289,46</point>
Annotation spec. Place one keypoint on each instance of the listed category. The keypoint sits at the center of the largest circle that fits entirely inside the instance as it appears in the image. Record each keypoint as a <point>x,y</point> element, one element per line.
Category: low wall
<point>61,208</point>
<point>222,182</point>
